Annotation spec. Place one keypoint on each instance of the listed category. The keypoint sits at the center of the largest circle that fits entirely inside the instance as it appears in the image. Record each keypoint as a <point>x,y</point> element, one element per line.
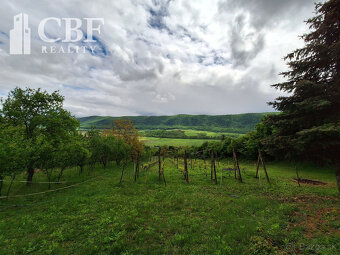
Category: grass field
<point>193,132</point>
<point>102,217</point>
<point>152,141</point>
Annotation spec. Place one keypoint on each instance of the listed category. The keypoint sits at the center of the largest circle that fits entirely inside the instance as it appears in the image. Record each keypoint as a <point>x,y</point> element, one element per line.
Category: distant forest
<point>236,123</point>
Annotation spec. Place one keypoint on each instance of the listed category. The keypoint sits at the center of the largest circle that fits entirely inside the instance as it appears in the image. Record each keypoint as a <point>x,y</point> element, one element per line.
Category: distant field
<point>152,141</point>
<point>192,132</point>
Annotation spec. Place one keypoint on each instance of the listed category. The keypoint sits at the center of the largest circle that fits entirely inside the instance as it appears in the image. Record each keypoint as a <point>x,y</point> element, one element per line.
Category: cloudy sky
<point>159,57</point>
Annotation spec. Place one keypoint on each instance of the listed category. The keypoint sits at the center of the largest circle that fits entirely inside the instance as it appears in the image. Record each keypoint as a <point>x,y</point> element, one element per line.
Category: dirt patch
<point>316,222</point>
<point>310,182</point>
<point>316,215</point>
<point>308,199</point>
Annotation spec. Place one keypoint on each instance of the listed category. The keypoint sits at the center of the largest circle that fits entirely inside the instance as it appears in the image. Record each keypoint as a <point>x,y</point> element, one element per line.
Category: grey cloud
<point>267,12</point>
<point>241,54</point>
<point>262,15</point>
<point>196,56</point>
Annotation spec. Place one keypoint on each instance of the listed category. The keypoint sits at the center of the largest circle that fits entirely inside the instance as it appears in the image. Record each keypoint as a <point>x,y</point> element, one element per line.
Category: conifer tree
<point>308,127</point>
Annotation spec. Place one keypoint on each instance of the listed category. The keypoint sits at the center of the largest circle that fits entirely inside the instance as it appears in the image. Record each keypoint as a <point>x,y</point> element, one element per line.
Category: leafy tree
<point>94,145</point>
<point>252,141</point>
<point>121,151</point>
<point>109,149</point>
<point>308,127</point>
<point>13,151</point>
<point>64,157</point>
<point>80,152</point>
<point>125,130</point>
<point>47,159</point>
<point>40,113</point>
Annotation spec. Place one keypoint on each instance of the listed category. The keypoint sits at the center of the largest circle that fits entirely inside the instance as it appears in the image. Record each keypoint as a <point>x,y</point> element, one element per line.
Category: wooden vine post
<point>213,176</point>
<point>163,169</point>
<point>160,167</point>
<point>260,160</point>
<point>297,176</point>
<point>186,173</point>
<point>237,166</point>
<point>137,167</point>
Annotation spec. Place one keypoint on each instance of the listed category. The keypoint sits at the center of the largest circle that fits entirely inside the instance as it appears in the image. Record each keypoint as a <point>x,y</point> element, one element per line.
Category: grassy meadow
<point>155,141</point>
<point>160,141</point>
<point>101,216</point>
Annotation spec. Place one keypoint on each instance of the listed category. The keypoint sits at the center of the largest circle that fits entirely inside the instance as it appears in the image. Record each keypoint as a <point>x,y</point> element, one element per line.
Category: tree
<point>47,158</point>
<point>121,151</point>
<point>94,145</point>
<point>64,157</point>
<point>80,152</point>
<point>40,113</point>
<point>125,130</point>
<point>13,151</point>
<point>308,127</point>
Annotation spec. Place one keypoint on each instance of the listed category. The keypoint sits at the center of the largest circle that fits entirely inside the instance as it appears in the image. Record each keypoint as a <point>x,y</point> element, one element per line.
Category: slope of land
<point>145,217</point>
<point>236,123</point>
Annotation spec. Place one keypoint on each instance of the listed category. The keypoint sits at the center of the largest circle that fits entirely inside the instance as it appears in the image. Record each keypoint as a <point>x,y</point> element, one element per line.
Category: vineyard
<point>197,217</point>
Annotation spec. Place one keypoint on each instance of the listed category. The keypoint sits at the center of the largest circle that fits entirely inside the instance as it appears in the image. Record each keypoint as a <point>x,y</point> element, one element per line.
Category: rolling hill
<point>235,123</point>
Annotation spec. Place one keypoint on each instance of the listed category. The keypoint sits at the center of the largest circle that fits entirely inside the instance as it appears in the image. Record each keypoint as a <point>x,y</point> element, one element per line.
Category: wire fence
<point>53,190</point>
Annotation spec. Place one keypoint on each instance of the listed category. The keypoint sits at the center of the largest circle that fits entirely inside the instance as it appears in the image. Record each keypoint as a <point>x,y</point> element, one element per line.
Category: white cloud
<point>163,57</point>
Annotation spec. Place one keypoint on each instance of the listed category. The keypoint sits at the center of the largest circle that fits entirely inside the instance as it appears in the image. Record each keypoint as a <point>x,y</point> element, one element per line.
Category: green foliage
<point>246,146</point>
<point>13,151</point>
<point>309,126</point>
<point>238,123</point>
<point>105,148</point>
<point>43,121</point>
<point>80,152</point>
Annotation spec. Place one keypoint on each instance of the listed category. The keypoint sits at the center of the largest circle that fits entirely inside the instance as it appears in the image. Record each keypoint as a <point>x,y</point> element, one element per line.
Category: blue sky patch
<point>76,87</point>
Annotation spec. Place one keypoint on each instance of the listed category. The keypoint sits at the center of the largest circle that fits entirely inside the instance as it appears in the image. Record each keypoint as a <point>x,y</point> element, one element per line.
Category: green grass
<point>103,217</point>
<point>152,141</point>
<point>192,132</point>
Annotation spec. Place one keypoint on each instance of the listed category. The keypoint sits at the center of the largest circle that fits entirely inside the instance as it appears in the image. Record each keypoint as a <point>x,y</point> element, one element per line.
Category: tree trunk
<point>30,173</point>
<point>60,174</point>
<point>81,167</point>
<point>137,168</point>
<point>104,162</point>
<point>118,162</point>
<point>338,174</point>
<point>123,168</point>
<point>257,167</point>
<point>49,178</point>
<point>1,183</point>
<point>10,186</point>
